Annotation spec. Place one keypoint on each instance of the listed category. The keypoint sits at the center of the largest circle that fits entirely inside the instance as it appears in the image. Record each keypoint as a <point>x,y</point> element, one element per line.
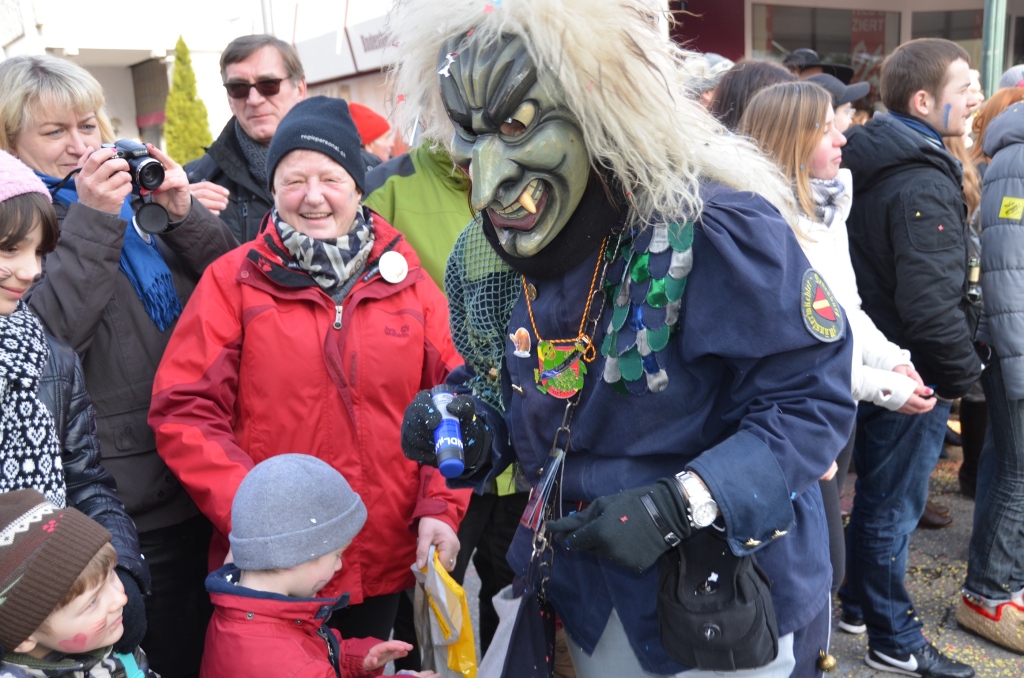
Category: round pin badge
<point>393,267</point>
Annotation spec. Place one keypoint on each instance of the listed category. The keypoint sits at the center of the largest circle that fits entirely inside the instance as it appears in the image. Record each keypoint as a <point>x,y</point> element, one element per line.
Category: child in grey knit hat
<point>291,520</point>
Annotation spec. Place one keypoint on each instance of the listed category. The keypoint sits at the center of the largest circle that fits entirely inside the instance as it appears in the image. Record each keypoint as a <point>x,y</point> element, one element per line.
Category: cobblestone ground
<point>935,571</point>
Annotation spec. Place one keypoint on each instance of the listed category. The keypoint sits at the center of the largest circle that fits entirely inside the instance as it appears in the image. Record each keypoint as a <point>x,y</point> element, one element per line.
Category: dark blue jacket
<point>756,405</point>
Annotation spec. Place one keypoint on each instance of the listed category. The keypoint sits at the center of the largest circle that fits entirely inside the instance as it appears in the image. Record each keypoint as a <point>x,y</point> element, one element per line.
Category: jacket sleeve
<point>930,252</point>
<point>436,499</point>
<point>78,277</point>
<point>200,239</point>
<point>194,392</point>
<point>353,653</point>
<point>1002,267</point>
<point>90,488</point>
<point>789,393</point>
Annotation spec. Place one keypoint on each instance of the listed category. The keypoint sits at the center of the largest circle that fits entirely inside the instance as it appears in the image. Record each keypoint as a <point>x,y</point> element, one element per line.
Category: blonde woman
<point>113,293</point>
<point>794,124</point>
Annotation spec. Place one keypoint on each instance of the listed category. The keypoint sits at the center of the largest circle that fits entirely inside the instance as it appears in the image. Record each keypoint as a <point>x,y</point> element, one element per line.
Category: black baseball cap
<point>804,58</point>
<point>841,94</point>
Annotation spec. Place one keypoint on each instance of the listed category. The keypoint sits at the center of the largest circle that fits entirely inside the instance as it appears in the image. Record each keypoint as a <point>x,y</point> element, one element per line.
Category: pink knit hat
<point>17,179</point>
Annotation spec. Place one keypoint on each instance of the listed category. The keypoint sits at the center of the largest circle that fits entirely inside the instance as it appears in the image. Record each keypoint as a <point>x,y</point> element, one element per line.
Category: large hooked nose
<point>489,169</point>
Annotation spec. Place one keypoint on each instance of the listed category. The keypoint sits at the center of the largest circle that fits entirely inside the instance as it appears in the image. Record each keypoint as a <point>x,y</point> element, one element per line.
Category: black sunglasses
<point>240,90</point>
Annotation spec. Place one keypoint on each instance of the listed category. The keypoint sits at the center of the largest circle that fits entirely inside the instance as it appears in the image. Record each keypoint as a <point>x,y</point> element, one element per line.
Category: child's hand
<point>421,674</point>
<point>381,653</point>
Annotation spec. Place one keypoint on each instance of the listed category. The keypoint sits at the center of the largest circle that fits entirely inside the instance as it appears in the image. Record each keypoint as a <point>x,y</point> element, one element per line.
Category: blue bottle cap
<point>451,468</point>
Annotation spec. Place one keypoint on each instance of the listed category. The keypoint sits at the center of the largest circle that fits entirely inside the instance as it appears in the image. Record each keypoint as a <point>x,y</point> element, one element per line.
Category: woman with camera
<point>114,292</point>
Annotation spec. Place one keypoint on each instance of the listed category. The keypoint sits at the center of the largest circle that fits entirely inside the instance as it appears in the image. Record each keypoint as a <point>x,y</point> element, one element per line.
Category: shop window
<point>852,37</point>
<point>962,27</point>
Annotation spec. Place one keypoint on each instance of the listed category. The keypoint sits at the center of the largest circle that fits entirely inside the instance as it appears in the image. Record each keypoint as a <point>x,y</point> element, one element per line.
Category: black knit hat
<point>43,550</point>
<point>321,124</point>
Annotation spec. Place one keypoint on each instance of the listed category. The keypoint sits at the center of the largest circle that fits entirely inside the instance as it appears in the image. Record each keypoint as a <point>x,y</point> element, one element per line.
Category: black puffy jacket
<point>224,164</point>
<point>90,489</point>
<point>908,245</point>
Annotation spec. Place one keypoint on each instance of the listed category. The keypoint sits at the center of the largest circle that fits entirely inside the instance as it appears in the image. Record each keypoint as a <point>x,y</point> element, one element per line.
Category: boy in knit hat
<point>291,519</point>
<point>60,602</point>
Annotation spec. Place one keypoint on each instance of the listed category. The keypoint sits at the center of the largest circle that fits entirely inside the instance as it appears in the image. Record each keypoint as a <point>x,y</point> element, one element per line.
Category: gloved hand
<point>134,614</point>
<point>621,528</point>
<point>421,418</point>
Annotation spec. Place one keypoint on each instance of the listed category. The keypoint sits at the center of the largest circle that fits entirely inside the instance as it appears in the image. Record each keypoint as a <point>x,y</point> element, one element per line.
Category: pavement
<point>936,567</point>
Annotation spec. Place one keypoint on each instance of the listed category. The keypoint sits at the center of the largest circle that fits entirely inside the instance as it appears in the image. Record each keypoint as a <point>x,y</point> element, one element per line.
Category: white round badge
<point>393,267</point>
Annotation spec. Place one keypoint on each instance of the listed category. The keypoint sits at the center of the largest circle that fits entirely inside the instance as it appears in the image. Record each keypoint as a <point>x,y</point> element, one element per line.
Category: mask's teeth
<point>526,200</point>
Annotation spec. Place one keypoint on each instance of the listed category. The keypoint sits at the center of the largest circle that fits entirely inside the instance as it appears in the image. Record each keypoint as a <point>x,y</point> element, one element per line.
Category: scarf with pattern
<point>334,263</point>
<point>29,449</point>
<point>826,193</point>
<point>255,155</point>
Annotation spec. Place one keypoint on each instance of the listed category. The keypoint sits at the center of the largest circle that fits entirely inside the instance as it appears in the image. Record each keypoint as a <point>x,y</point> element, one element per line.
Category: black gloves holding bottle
<point>632,528</point>
<point>421,418</point>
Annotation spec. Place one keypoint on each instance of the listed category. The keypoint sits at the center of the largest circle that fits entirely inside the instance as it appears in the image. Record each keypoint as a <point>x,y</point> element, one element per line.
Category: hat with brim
<point>841,94</point>
<point>804,58</point>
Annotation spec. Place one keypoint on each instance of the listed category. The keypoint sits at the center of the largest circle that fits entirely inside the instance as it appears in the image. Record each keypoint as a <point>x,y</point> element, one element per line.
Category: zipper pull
<point>337,317</point>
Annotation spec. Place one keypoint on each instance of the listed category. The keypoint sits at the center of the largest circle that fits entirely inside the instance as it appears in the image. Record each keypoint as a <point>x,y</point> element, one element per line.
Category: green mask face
<point>523,147</point>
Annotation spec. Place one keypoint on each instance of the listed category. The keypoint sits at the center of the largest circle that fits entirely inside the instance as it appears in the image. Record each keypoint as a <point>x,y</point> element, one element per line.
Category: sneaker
<point>852,624</point>
<point>1003,626</point>
<point>924,662</point>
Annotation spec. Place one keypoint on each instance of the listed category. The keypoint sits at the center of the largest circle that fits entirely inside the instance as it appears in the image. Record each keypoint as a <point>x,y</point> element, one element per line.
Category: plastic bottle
<point>448,435</point>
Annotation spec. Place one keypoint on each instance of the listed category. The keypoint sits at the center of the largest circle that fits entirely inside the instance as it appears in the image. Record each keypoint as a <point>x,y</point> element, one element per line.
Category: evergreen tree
<point>187,130</point>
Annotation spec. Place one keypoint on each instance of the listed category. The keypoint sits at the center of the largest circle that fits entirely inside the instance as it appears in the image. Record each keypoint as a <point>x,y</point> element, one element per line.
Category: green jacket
<point>422,194</point>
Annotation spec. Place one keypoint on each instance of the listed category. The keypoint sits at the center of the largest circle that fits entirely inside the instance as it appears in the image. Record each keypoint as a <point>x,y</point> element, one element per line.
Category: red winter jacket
<point>253,634</point>
<point>263,363</point>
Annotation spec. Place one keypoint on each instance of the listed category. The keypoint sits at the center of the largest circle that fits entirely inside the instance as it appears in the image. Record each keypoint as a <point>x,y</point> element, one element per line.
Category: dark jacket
<point>90,489</point>
<point>1002,258</point>
<point>908,244</point>
<point>756,404</point>
<point>224,164</point>
<point>84,300</point>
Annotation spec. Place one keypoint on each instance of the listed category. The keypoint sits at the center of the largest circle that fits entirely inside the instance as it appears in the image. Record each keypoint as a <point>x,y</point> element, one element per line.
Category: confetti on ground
<point>936,565</point>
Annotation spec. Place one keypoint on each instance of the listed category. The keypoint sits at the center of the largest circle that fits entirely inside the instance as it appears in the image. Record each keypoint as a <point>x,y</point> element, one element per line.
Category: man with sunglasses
<point>263,78</point>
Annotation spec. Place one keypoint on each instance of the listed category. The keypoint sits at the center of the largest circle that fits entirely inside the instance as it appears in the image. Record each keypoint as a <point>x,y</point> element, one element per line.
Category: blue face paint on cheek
<point>945,119</point>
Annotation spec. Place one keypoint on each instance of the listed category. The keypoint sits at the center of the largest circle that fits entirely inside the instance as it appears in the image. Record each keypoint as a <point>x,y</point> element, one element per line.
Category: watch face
<point>704,514</point>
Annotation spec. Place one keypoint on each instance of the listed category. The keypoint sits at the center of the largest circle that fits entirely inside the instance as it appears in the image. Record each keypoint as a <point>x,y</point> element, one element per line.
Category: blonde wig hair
<point>787,120</point>
<point>618,73</point>
<point>49,83</point>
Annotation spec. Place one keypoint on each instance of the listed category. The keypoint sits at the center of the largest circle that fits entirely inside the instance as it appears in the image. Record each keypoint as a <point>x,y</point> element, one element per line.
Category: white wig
<point>618,73</point>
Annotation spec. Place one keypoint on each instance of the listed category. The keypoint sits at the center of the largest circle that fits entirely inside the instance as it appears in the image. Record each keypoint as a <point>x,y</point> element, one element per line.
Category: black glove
<point>133,614</point>
<point>421,418</point>
<point>632,528</point>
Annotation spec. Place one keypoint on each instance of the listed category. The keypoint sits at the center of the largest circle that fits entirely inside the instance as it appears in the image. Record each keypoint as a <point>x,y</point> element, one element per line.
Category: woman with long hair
<point>113,293</point>
<point>793,123</point>
<point>993,591</point>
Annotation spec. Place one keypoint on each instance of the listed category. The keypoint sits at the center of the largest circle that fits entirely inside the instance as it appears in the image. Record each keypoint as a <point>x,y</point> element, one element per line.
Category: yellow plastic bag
<point>443,601</point>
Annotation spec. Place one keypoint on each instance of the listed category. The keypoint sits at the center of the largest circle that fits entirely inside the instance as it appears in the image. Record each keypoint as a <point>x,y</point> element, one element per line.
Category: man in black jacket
<point>908,245</point>
<point>264,80</point>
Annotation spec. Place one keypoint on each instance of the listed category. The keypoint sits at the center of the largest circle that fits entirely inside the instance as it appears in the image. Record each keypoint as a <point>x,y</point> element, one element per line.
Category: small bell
<point>826,662</point>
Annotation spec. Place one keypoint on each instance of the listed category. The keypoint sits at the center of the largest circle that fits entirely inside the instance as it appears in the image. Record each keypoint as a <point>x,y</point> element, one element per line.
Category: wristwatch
<point>702,509</point>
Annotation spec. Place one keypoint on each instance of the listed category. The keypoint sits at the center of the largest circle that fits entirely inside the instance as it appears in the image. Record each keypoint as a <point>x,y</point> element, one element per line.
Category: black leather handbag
<point>715,608</point>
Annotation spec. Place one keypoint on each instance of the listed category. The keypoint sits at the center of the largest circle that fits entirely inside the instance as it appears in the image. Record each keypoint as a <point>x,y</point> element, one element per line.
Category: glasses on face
<point>266,88</point>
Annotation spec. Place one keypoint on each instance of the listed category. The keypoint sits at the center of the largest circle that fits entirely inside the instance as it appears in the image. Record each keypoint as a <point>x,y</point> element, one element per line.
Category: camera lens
<point>149,174</point>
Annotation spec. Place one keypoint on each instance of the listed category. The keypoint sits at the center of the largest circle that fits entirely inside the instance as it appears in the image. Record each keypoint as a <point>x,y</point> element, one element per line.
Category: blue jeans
<point>995,568</point>
<point>894,455</point>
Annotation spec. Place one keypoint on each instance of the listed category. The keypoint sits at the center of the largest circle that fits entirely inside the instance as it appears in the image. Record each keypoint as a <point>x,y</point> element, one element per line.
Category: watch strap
<point>670,537</point>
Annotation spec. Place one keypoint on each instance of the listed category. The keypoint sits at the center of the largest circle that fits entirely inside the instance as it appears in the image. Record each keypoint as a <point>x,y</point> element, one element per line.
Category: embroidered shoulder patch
<point>820,311</point>
<point>1011,208</point>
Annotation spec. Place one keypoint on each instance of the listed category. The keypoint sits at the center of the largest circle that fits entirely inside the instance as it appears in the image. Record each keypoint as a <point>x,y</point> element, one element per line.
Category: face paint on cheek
<point>75,644</point>
<point>945,119</point>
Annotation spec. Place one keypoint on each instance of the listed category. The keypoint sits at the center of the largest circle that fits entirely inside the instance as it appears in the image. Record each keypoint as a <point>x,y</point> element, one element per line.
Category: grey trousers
<point>614,658</point>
